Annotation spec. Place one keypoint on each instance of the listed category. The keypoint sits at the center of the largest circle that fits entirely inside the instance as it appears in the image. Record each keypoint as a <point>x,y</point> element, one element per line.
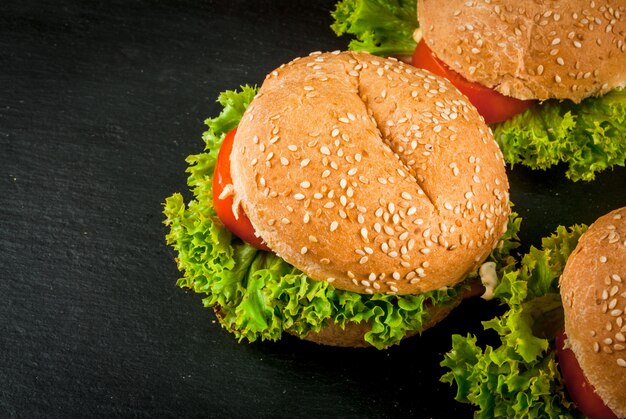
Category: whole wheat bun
<point>593,288</point>
<point>531,50</point>
<point>370,174</point>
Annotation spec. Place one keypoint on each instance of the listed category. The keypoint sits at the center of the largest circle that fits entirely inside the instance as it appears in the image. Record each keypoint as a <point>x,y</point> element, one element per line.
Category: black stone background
<point>100,103</point>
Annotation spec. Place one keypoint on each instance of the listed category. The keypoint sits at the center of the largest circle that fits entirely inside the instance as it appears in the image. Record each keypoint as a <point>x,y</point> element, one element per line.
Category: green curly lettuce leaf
<point>588,137</point>
<point>519,378</point>
<point>257,294</point>
<point>381,27</point>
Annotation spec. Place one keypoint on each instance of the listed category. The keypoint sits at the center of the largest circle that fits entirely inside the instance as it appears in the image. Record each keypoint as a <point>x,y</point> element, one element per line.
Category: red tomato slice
<point>493,106</point>
<point>579,389</point>
<point>241,227</point>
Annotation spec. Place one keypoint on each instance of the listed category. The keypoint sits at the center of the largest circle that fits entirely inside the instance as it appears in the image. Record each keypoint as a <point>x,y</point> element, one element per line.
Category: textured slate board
<point>100,103</point>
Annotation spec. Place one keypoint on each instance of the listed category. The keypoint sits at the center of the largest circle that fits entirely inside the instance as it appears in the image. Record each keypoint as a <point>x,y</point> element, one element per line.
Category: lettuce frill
<point>519,378</point>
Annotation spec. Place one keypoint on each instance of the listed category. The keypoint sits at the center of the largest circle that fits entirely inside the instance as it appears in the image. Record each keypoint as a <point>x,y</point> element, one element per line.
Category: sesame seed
<point>621,362</point>
<point>603,259</point>
<point>614,290</point>
<point>334,225</point>
<point>363,260</point>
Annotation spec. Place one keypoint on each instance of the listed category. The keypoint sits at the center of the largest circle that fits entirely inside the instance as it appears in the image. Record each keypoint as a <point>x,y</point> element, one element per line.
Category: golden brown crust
<point>370,174</point>
<point>593,288</point>
<point>531,50</point>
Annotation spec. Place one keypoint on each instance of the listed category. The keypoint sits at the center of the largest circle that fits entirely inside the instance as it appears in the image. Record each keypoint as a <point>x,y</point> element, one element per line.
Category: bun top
<point>531,50</point>
<point>593,288</point>
<point>370,174</point>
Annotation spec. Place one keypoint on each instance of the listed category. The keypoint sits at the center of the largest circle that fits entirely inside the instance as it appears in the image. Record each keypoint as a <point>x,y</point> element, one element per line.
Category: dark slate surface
<point>100,102</point>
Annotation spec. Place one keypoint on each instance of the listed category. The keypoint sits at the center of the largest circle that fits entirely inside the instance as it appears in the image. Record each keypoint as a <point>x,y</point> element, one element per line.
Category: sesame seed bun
<point>370,174</point>
<point>531,50</point>
<point>593,288</point>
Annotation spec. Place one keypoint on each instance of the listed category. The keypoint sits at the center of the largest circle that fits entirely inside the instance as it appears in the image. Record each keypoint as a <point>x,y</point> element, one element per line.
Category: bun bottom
<point>353,335</point>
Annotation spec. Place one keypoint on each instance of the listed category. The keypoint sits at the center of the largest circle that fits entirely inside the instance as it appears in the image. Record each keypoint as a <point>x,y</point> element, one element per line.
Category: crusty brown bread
<point>370,174</point>
<point>593,288</point>
<point>538,49</point>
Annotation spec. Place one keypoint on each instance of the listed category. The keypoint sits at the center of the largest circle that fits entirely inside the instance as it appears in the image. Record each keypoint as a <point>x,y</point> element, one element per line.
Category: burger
<point>547,76</point>
<point>592,350</point>
<point>349,201</point>
<point>562,340</point>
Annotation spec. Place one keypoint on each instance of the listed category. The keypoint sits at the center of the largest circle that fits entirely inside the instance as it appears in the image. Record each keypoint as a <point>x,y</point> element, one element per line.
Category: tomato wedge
<point>579,389</point>
<point>492,105</point>
<point>241,226</point>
